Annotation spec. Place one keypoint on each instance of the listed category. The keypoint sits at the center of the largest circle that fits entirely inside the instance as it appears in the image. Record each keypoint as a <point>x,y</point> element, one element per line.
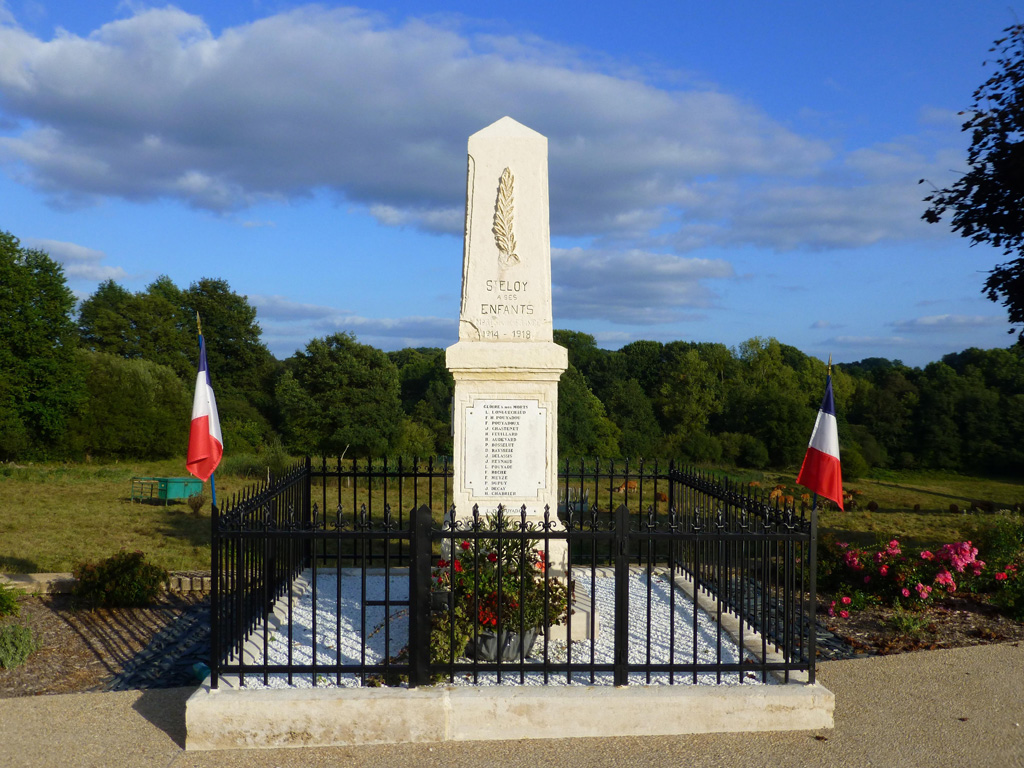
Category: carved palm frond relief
<point>504,211</point>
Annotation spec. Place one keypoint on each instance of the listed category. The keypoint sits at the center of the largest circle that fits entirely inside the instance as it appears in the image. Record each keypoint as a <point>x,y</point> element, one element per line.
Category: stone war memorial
<point>334,624</point>
<point>505,365</point>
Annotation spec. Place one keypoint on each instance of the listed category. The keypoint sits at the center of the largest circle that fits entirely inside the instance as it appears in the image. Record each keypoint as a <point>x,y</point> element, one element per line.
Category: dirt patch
<point>953,623</point>
<point>83,650</point>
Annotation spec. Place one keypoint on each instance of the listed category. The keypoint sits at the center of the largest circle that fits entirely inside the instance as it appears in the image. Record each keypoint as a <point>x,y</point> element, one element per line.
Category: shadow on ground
<point>9,564</point>
<point>165,709</point>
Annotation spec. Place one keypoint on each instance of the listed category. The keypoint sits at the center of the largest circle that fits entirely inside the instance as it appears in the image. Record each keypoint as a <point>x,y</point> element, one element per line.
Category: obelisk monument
<point>505,364</point>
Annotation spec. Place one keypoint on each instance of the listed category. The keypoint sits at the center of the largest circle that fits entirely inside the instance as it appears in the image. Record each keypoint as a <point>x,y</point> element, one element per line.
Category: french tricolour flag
<point>205,444</point>
<point>821,472</point>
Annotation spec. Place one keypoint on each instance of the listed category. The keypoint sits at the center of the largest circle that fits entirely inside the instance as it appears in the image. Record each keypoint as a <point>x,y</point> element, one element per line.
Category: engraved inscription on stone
<point>505,448</point>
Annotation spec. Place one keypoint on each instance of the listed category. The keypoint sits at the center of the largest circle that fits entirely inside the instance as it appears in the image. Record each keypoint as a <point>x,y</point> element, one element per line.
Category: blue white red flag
<point>821,471</point>
<point>205,444</point>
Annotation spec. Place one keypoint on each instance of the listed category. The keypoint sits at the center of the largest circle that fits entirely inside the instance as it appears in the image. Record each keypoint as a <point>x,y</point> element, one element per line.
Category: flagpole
<point>812,588</point>
<point>213,482</point>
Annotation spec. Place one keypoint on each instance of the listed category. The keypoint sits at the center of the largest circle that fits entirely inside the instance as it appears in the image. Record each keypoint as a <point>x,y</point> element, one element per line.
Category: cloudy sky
<point>718,170</point>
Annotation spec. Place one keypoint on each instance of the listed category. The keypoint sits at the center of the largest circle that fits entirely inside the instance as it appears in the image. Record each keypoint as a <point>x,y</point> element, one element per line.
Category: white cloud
<point>613,339</point>
<point>869,342</point>
<point>436,220</point>
<point>284,309</point>
<point>289,325</point>
<point>939,116</point>
<point>79,262</point>
<point>634,287</point>
<point>948,323</point>
<point>156,105</point>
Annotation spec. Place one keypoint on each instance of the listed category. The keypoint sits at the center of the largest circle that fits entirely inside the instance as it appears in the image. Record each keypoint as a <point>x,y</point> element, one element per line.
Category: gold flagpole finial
<point>830,364</point>
<point>199,327</point>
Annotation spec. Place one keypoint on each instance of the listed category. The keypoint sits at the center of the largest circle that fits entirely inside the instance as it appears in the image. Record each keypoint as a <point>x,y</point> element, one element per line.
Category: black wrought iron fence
<point>383,582</point>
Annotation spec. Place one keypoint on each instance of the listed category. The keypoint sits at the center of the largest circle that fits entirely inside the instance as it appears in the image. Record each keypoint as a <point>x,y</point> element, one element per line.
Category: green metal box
<point>179,487</point>
<point>165,488</point>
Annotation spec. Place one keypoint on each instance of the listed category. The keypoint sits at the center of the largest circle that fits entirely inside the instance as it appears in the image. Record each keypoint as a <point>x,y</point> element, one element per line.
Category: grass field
<point>931,523</point>
<point>54,516</point>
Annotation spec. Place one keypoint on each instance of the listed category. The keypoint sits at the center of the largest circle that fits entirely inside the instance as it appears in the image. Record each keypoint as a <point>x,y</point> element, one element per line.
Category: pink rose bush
<point>889,573</point>
<point>1009,588</point>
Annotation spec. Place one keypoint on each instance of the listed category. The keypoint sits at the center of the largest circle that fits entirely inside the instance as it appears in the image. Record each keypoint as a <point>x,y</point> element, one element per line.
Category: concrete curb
<point>232,718</point>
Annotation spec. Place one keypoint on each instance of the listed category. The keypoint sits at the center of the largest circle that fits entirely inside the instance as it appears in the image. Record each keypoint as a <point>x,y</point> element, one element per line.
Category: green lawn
<point>915,506</point>
<point>53,516</point>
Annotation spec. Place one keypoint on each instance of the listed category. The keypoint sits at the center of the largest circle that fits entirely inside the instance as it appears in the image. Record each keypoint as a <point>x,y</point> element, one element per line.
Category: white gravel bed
<point>391,635</point>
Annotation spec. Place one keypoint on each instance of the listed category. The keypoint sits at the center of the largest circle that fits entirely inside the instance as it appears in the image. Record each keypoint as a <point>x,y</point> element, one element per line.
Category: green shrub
<point>17,643</point>
<point>908,623</point>
<point>1002,538</point>
<point>196,502</point>
<point>125,579</point>
<point>9,600</point>
<point>255,465</point>
<point>753,453</point>
<point>132,408</point>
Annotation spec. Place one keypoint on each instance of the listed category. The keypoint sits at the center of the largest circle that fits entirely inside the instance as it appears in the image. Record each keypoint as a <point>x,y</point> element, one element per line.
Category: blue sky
<point>718,170</point>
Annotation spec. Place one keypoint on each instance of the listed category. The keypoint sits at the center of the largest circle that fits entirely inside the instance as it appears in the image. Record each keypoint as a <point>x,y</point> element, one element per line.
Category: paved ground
<point>960,706</point>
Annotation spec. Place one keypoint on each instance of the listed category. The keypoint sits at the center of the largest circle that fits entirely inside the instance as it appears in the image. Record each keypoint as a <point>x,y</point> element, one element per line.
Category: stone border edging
<point>63,583</point>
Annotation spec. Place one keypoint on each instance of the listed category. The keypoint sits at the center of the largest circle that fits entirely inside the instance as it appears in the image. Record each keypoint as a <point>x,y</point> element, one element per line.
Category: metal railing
<point>716,549</point>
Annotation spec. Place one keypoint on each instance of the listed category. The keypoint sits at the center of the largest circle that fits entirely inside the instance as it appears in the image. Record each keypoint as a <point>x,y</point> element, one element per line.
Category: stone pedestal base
<point>505,430</point>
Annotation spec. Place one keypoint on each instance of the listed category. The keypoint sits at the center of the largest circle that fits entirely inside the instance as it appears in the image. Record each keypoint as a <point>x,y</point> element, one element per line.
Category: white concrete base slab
<point>239,719</point>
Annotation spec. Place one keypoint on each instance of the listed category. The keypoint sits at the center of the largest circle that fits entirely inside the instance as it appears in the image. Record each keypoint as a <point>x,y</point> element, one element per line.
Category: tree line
<point>114,379</point>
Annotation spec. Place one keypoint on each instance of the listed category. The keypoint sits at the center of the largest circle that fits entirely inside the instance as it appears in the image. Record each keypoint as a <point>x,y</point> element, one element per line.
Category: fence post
<point>621,654</point>
<point>307,507</point>
<point>215,596</point>
<point>420,527</point>
<point>812,588</point>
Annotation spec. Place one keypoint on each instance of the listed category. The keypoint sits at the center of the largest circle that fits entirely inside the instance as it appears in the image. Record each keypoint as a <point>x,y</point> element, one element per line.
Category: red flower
<point>458,567</point>
<point>492,556</point>
<point>465,545</point>
<point>1001,576</point>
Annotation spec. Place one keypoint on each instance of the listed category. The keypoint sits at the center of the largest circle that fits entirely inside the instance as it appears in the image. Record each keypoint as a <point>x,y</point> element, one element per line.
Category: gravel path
<point>177,655</point>
<point>337,636</point>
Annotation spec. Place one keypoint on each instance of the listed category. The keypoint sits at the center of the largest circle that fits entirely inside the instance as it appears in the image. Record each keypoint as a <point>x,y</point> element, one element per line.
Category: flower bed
<point>891,574</point>
<point>498,586</point>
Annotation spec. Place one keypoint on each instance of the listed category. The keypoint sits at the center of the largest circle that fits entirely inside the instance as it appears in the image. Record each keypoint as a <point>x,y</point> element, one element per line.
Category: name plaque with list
<point>505,448</point>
